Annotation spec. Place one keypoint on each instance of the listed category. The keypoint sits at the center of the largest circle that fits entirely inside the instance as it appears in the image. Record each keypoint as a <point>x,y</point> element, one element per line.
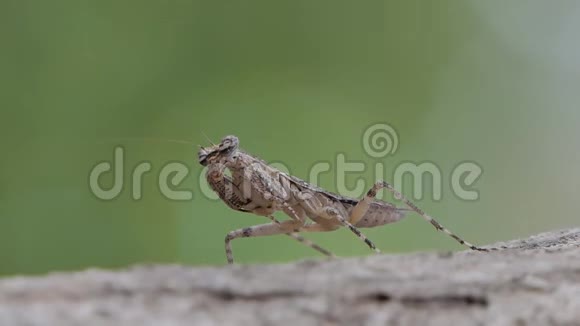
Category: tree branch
<point>534,281</point>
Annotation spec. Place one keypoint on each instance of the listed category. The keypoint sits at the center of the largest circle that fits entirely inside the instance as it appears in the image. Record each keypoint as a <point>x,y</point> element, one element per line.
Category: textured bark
<point>534,281</point>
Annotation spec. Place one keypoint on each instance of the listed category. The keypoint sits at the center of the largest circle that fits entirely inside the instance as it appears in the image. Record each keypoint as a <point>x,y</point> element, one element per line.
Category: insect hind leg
<point>383,184</point>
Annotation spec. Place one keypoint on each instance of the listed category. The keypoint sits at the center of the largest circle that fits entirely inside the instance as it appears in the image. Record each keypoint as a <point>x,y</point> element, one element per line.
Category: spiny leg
<point>382,184</point>
<point>258,231</point>
<point>333,213</point>
<point>303,240</point>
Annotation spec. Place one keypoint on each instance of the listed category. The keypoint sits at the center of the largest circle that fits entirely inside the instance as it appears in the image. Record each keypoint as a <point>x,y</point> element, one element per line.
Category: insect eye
<point>225,145</point>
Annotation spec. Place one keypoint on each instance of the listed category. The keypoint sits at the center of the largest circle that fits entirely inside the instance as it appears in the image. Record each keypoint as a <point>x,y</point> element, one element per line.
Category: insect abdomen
<point>380,214</point>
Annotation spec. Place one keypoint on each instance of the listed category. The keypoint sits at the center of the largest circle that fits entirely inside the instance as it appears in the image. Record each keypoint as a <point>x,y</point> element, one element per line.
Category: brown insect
<point>255,187</point>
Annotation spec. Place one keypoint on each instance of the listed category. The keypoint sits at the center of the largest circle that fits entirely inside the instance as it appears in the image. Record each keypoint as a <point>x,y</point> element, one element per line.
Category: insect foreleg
<point>224,187</point>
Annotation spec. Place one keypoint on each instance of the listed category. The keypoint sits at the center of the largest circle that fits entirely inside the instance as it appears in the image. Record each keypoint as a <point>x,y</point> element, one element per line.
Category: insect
<point>255,187</point>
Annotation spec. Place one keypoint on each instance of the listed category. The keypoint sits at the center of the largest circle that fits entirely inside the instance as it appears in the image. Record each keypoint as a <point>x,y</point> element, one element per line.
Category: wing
<point>345,200</point>
<point>303,185</point>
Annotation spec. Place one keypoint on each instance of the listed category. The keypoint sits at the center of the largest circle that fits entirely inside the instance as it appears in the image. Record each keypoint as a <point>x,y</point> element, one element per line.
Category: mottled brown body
<point>258,188</point>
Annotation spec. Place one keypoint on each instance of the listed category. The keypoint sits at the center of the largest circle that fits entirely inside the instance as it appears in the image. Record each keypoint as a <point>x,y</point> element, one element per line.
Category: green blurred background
<point>493,82</point>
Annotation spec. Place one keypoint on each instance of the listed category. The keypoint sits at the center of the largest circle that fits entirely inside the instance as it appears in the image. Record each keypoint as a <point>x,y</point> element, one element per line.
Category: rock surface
<point>535,281</point>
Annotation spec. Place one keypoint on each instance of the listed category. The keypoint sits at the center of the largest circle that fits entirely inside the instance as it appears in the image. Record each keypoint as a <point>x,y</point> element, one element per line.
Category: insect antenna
<point>206,137</point>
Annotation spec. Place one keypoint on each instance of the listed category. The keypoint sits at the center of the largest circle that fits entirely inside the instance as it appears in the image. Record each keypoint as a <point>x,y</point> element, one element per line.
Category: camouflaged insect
<point>257,188</point>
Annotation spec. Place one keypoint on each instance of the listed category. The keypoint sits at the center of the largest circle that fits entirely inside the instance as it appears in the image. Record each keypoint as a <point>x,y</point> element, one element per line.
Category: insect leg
<point>361,208</point>
<point>257,231</point>
<point>333,213</point>
<point>303,240</point>
<point>382,184</point>
<point>318,228</point>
